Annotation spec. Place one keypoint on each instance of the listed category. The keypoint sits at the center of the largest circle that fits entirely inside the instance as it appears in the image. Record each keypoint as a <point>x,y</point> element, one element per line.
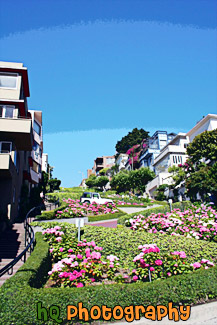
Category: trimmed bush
<point>107,216</point>
<point>49,215</point>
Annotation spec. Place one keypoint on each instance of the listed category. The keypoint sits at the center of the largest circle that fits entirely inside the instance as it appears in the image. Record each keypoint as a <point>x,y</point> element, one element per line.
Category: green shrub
<point>123,242</point>
<point>106,216</point>
<point>49,215</point>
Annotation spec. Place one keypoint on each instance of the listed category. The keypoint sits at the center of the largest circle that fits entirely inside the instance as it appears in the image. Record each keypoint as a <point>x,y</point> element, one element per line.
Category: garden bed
<point>74,209</point>
<point>199,222</point>
<point>17,307</point>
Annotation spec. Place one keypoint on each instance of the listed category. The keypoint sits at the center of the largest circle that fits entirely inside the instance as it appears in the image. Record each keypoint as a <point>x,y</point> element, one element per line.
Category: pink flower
<point>169,274</point>
<point>158,262</point>
<point>58,239</point>
<point>79,256</point>
<point>51,250</point>
<point>61,249</point>
<point>151,269</point>
<point>135,277</point>
<point>196,265</point>
<point>79,285</point>
<point>70,250</point>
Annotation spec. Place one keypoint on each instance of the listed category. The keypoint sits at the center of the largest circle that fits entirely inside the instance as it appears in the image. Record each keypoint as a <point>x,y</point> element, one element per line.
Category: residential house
<point>173,154</point>
<point>103,162</point>
<point>207,123</point>
<point>16,136</point>
<point>153,147</point>
<point>44,166</point>
<point>121,161</point>
<point>35,160</point>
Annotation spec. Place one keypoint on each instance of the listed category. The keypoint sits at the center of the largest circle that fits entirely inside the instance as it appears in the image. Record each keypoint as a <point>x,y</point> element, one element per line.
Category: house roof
<point>201,122</point>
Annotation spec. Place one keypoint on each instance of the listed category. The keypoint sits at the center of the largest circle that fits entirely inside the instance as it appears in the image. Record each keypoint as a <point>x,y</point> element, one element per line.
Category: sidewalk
<point>205,314</point>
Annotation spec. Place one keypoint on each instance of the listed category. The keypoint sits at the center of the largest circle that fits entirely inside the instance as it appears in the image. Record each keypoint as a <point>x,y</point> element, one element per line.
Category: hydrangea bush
<point>151,264</point>
<point>196,222</point>
<point>83,263</point>
<point>76,209</point>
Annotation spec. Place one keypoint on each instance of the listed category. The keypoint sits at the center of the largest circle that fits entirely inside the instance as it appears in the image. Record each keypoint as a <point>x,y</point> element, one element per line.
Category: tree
<point>103,171</point>
<point>44,182</point>
<point>121,182</point>
<point>114,170</point>
<point>134,179</point>
<point>159,193</point>
<point>91,181</point>
<point>203,148</point>
<point>139,178</point>
<point>101,182</point>
<point>178,174</point>
<point>54,184</point>
<point>131,139</point>
<point>200,170</point>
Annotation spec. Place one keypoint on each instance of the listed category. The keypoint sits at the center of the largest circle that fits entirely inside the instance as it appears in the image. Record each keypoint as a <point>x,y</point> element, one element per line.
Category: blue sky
<point>97,69</point>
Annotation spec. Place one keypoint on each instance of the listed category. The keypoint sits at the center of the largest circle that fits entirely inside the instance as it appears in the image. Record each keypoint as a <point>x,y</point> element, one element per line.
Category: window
<point>35,166</point>
<point>7,111</point>
<point>88,195</point>
<point>8,80</point>
<point>37,128</point>
<point>96,196</point>
<point>5,147</point>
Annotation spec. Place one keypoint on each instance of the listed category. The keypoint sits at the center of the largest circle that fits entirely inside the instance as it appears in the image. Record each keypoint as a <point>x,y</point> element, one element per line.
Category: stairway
<point>12,243</point>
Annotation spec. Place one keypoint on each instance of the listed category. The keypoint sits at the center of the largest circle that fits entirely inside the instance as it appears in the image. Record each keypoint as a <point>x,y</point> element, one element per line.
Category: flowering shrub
<point>151,265</point>
<point>198,223</point>
<point>83,265</point>
<point>77,209</point>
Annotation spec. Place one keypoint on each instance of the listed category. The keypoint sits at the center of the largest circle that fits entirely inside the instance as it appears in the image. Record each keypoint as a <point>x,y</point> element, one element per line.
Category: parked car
<point>90,197</point>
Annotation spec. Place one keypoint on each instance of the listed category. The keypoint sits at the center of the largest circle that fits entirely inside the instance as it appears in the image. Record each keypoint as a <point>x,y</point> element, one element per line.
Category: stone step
<point>12,244</point>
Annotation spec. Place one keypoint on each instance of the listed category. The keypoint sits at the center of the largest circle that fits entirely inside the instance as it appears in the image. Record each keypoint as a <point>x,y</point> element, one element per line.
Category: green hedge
<point>19,295</point>
<point>162,209</point>
<point>49,215</point>
<point>107,216</point>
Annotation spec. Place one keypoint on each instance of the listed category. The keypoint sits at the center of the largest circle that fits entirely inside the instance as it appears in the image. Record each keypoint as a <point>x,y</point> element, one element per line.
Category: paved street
<point>205,314</point>
<point>135,210</point>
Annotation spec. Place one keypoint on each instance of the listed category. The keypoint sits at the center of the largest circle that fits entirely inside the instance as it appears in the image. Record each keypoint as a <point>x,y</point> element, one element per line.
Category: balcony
<point>35,177</point>
<point>18,130</point>
<point>7,168</point>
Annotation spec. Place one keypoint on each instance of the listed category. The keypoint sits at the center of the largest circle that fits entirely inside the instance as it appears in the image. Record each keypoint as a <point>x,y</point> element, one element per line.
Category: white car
<point>90,197</point>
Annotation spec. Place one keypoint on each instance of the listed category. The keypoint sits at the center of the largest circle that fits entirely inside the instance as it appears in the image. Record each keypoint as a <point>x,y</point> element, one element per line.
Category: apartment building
<point>17,137</point>
<point>207,123</point>
<point>35,159</point>
<point>173,154</point>
<point>154,145</point>
<point>121,161</point>
<point>44,166</point>
<point>103,162</point>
